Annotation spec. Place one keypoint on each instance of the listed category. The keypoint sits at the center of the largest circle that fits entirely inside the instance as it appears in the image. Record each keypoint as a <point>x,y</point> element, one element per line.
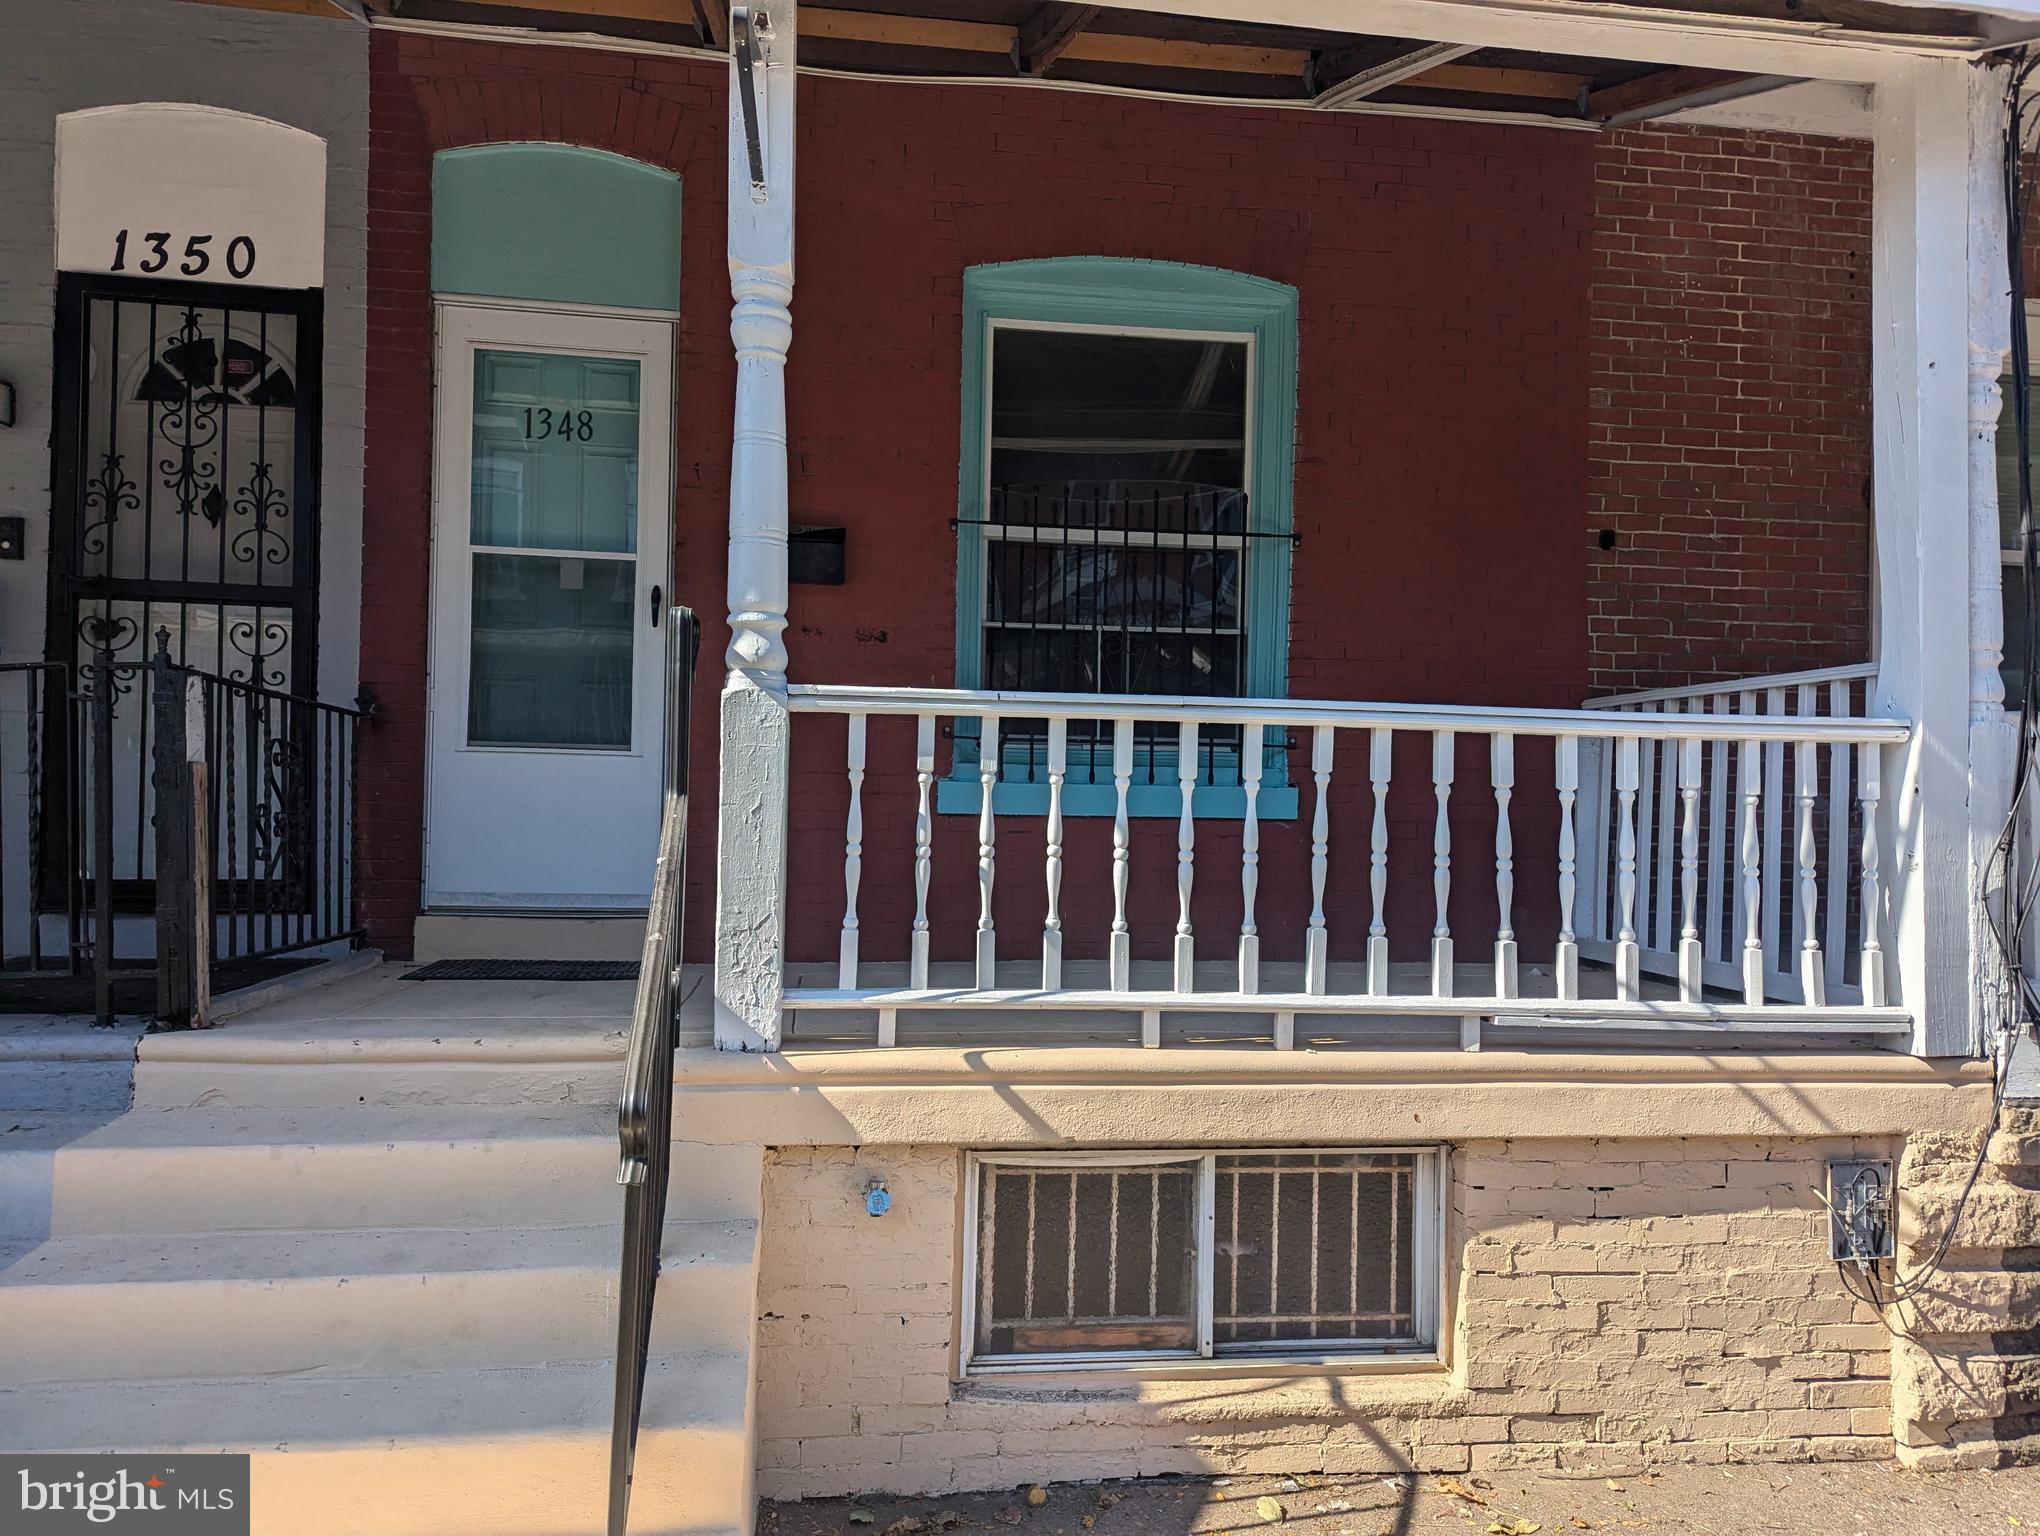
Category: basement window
<point>1104,1258</point>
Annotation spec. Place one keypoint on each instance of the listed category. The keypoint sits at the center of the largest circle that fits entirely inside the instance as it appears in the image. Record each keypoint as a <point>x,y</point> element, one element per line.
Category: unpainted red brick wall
<point>1730,407</point>
<point>1444,277</point>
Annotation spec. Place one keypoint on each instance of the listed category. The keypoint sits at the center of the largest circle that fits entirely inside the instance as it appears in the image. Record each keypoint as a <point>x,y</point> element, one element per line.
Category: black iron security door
<point>185,499</point>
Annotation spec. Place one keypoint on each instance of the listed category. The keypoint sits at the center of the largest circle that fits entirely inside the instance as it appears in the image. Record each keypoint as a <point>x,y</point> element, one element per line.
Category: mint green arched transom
<point>555,223</point>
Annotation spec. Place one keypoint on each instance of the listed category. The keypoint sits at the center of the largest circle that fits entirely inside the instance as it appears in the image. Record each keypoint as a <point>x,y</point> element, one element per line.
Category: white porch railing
<point>1721,891</point>
<point>1739,826</point>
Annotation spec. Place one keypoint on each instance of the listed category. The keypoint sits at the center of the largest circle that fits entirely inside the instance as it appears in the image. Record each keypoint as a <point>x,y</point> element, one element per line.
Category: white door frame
<point>603,786</point>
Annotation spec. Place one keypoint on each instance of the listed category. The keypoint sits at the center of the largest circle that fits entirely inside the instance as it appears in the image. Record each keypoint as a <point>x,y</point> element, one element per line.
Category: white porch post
<point>1993,736</point>
<point>1926,216</point>
<point>750,911</point>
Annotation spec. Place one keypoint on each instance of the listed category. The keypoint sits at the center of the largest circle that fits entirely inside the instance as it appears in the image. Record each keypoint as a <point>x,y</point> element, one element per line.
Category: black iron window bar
<point>1136,576</point>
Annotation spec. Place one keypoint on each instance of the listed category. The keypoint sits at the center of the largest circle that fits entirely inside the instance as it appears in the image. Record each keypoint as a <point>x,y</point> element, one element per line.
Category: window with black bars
<point>1117,540</point>
<point>1303,1253</point>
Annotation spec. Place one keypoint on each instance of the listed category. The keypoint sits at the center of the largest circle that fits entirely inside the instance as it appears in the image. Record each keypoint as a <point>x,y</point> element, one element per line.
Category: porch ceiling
<point>1138,48</point>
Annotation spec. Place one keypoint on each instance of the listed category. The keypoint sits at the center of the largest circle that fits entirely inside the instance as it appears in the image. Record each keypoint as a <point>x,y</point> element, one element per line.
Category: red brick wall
<point>1441,458</point>
<point>1730,411</point>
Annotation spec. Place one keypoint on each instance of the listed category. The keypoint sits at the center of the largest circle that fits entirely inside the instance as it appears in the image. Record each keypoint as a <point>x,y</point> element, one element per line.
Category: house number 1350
<point>154,253</point>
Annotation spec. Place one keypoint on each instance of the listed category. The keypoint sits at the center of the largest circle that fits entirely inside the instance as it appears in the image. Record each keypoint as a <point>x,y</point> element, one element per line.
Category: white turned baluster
<point>1869,768</point>
<point>1714,939</point>
<point>1502,757</point>
<point>1380,755</point>
<point>1250,859</point>
<point>1316,939</point>
<point>1812,978</point>
<point>1186,855</point>
<point>1738,920</point>
<point>1051,926</point>
<point>1774,837</point>
<point>1596,869</point>
<point>1122,855</point>
<point>1646,801</point>
<point>988,782</point>
<point>1835,946</point>
<point>924,846</point>
<point>853,855</point>
<point>1567,961</point>
<point>1441,863</point>
<point>1690,954</point>
<point>1660,926</point>
<point>1752,787</point>
<point>1628,957</point>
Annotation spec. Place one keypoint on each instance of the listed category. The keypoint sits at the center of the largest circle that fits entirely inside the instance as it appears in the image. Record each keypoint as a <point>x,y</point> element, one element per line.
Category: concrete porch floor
<point>373,1013</point>
<point>371,1038</point>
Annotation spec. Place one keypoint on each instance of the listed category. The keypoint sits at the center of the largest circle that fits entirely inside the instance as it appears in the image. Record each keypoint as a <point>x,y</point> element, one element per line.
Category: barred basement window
<point>1305,1254</point>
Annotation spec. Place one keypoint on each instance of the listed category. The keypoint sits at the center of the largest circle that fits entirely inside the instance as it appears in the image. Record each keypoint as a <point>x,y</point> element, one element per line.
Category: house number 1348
<point>153,252</point>
<point>544,421</point>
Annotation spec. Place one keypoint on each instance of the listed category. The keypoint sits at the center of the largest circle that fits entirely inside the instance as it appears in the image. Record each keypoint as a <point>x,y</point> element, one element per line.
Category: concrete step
<point>164,1307</point>
<point>194,1171</point>
<point>512,1452</point>
<point>65,1066</point>
<point>28,1148</point>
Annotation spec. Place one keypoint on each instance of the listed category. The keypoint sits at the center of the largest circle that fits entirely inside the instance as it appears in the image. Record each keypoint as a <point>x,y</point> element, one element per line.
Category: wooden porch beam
<point>1666,91</point>
<point>1338,76</point>
<point>1097,47</point>
<point>1046,35</point>
<point>1478,80</point>
<point>672,13</point>
<point>1653,37</point>
<point>712,21</point>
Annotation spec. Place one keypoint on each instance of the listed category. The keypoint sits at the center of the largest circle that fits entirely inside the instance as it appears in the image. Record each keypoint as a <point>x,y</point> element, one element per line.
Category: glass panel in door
<point>553,529</point>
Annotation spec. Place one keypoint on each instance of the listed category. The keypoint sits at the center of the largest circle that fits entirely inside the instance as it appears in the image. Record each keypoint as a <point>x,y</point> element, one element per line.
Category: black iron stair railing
<point>644,1114</point>
<point>151,794</point>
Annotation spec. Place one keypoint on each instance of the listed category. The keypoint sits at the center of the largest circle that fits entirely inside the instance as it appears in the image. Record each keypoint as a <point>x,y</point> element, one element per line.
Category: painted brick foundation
<point>1613,1304</point>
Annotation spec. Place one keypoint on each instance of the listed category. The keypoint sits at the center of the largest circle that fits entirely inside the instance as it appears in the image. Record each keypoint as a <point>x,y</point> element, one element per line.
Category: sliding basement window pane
<point>1313,1247</point>
<point>1086,1260</point>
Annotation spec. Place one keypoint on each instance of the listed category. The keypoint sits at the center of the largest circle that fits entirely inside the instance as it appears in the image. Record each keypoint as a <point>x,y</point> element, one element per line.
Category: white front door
<point>552,492</point>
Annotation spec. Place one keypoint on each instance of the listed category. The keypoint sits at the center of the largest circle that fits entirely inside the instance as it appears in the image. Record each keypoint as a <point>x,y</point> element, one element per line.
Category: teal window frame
<point>1131,295</point>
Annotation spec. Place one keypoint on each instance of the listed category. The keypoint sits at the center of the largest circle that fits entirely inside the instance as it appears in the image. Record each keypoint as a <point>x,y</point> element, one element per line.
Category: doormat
<point>525,970</point>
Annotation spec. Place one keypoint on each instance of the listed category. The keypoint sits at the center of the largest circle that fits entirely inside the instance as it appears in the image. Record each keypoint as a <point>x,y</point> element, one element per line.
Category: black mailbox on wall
<point>814,556</point>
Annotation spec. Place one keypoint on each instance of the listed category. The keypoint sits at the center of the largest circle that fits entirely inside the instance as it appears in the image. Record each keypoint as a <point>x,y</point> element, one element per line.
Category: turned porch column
<point>750,915</point>
<point>1935,210</point>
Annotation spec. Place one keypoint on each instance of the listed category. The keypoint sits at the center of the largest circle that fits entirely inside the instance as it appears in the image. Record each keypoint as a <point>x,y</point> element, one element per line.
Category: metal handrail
<point>644,1113</point>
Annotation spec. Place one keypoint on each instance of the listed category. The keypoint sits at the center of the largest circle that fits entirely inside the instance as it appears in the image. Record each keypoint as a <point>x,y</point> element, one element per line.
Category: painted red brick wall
<point>1441,459</point>
<point>1665,329</point>
<point>428,94</point>
<point>1730,406</point>
<point>1442,270</point>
